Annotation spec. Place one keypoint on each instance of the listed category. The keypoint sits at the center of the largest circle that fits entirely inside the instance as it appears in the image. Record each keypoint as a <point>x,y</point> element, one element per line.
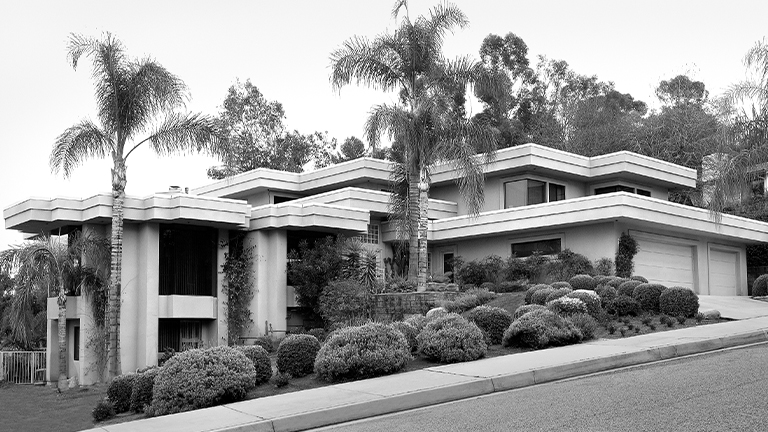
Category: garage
<point>666,263</point>
<point>723,272</point>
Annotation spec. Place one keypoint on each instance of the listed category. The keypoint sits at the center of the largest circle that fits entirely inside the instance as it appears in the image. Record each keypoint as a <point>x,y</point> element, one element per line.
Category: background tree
<point>428,121</point>
<point>352,148</point>
<point>130,96</point>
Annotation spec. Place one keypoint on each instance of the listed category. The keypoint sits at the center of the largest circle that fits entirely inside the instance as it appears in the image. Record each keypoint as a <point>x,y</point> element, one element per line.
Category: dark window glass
<point>556,192</point>
<point>76,347</point>
<point>179,335</point>
<point>544,247</point>
<point>643,192</point>
<point>188,260</point>
<point>515,193</point>
<point>281,199</point>
<point>611,189</point>
<point>536,191</point>
<point>447,262</point>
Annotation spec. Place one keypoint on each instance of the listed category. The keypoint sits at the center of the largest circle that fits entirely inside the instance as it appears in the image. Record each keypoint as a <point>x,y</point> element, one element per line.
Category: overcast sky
<point>284,47</point>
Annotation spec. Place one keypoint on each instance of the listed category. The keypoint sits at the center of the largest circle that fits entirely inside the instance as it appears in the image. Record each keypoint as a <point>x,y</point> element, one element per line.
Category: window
<point>179,335</point>
<point>448,262</point>
<point>544,247</point>
<point>520,193</point>
<point>621,188</point>
<point>643,192</point>
<point>76,347</point>
<point>188,260</point>
<point>281,199</point>
<point>372,236</point>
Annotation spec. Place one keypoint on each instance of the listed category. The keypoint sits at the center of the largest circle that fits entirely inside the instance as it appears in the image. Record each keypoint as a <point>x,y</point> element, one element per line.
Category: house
<point>536,199</point>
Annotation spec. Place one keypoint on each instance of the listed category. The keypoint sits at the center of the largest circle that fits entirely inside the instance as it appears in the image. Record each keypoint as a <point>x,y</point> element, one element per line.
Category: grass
<point>36,408</point>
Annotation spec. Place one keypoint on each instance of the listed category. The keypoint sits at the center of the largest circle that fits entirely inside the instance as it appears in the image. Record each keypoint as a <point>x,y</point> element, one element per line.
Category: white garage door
<point>723,279</point>
<point>664,263</point>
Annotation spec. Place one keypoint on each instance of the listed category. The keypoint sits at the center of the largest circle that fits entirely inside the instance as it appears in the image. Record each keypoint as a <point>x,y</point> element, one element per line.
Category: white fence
<point>22,367</point>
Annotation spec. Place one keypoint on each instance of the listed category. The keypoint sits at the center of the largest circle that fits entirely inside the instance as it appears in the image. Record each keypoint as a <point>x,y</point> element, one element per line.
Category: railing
<point>22,367</point>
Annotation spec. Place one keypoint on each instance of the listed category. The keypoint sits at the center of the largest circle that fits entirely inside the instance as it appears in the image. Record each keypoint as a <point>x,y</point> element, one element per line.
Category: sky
<point>283,47</point>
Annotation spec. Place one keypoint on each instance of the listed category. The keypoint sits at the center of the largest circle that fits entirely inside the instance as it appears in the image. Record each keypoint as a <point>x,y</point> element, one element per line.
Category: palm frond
<point>78,143</point>
<point>373,64</point>
<point>442,19</point>
<point>386,119</point>
<point>151,90</point>
<point>181,133</point>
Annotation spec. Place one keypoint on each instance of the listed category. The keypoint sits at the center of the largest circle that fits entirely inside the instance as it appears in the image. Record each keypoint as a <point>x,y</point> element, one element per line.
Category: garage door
<point>664,263</point>
<point>723,279</point>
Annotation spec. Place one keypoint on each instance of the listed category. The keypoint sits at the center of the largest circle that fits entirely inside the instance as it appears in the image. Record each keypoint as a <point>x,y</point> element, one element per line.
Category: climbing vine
<point>238,289</point>
<point>624,255</point>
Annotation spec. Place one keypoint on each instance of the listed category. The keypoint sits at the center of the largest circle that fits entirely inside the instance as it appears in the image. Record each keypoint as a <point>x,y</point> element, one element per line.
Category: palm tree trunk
<point>62,324</point>
<point>116,264</point>
<point>421,281</point>
<point>412,224</point>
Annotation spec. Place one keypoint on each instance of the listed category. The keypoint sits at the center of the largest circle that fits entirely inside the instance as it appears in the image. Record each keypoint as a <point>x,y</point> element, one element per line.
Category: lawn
<point>37,408</point>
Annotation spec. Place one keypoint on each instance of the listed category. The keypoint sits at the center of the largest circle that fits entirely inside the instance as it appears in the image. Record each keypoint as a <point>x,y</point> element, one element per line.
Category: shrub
<point>471,272</point>
<point>281,379</point>
<point>435,313</point>
<point>119,392</point>
<point>319,333</point>
<point>365,351</point>
<point>540,296</point>
<point>398,284</point>
<point>628,287</point>
<point>469,300</point>
<point>540,329</point>
<point>606,293</point>
<point>104,410</point>
<point>492,320</point>
<point>261,363</point>
<point>590,298</point>
<point>616,282</point>
<point>141,396</point>
<point>168,354</point>
<point>200,378</point>
<point>557,293</point>
<point>647,295</point>
<point>409,331</point>
<point>582,281</point>
<point>604,266</point>
<point>524,309</point>
<point>625,254</point>
<point>451,339</point>
<point>482,294</point>
<point>561,284</point>
<point>417,321</point>
<point>623,306</point>
<point>602,279</point>
<point>529,293</point>
<point>343,301</point>
<point>296,355</point>
<point>265,342</point>
<point>490,286</point>
<point>508,287</point>
<point>679,301</point>
<point>586,324</point>
<point>639,278</point>
<point>566,306</point>
<point>760,286</point>
<point>569,264</point>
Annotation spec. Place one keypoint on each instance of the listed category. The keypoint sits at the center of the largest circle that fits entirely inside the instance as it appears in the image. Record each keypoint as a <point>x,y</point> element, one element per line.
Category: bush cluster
<point>296,355</point>
<point>540,329</point>
<point>344,300</point>
<point>566,306</point>
<point>760,286</point>
<point>586,324</point>
<point>607,293</point>
<point>590,298</point>
<point>647,295</point>
<point>540,296</point>
<point>119,392</point>
<point>470,299</point>
<point>639,278</point>
<point>616,282</point>
<point>417,321</point>
<point>583,282</point>
<point>532,290</point>
<point>628,287</point>
<point>200,378</point>
<point>365,351</point>
<point>104,410</point>
<point>557,293</point>
<point>409,331</point>
<point>510,286</point>
<point>492,320</point>
<point>265,342</point>
<point>524,309</point>
<point>679,301</point>
<point>262,365</point>
<point>141,397</point>
<point>623,306</point>
<point>451,339</point>
<point>625,254</point>
<point>561,284</point>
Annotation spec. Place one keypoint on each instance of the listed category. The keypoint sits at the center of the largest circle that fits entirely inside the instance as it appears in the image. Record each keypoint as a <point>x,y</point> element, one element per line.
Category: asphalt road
<point>720,391</point>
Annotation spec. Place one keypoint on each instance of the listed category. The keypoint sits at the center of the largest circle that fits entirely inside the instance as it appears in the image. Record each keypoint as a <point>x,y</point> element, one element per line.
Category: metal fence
<point>22,367</point>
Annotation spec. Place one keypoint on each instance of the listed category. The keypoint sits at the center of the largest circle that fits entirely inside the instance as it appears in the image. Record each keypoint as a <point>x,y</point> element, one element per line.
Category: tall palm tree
<point>429,121</point>
<point>130,96</point>
<point>51,263</point>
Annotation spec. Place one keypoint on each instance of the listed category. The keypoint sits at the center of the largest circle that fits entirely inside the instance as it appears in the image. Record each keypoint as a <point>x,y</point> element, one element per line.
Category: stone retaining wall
<point>397,305</point>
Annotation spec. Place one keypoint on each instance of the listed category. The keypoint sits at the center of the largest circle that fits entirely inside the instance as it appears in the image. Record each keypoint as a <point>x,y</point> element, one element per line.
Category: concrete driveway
<point>734,307</point>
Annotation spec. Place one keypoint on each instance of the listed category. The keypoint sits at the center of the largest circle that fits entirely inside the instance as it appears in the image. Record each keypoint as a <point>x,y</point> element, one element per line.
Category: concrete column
<point>220,331</point>
<point>270,279</point>
<point>278,266</point>
<point>52,350</point>
<point>89,362</point>
<point>148,294</point>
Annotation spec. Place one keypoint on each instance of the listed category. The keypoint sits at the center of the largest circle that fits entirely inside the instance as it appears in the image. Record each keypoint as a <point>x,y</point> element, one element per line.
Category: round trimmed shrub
<point>606,293</point>
<point>639,278</point>
<point>490,286</point>
<point>616,282</point>
<point>417,321</point>
<point>601,279</point>
<point>540,296</point>
<point>104,410</point>
<point>436,313</point>
<point>451,339</point>
<point>539,329</point>
<point>141,397</point>
<point>760,286</point>
<point>583,281</point>
<point>529,293</point>
<point>557,293</point>
<point>492,320</point>
<point>201,378</point>
<point>524,309</point>
<point>119,392</point>
<point>265,342</point>
<point>623,306</point>
<point>586,324</point>
<point>409,331</point>
<point>628,287</point>
<point>510,286</point>
<point>319,333</point>
<point>566,306</point>
<point>365,351</point>
<point>679,301</point>
<point>590,298</point>
<point>561,284</point>
<point>261,363</point>
<point>647,295</point>
<point>296,355</point>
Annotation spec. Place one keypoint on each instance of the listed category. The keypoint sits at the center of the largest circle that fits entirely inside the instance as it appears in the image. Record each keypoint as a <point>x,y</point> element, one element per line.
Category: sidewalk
<point>360,399</point>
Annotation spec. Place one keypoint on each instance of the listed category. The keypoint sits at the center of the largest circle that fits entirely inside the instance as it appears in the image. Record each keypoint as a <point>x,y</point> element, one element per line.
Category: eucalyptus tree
<point>138,104</point>
<point>428,121</point>
<point>59,267</point>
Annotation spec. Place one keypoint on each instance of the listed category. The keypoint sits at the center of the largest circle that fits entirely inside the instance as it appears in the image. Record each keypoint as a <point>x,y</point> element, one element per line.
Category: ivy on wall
<point>625,254</point>
<point>238,289</point>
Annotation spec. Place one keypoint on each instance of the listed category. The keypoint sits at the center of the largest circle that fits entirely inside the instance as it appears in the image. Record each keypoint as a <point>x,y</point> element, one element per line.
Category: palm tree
<point>130,95</point>
<point>50,263</point>
<point>429,121</point>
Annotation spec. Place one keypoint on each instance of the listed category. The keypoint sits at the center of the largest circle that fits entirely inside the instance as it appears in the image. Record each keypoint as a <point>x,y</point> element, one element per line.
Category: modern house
<point>536,199</point>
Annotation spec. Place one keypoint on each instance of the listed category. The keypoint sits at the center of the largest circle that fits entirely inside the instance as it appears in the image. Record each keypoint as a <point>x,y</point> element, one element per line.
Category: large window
<point>621,188</point>
<point>544,247</point>
<point>187,260</point>
<point>179,335</point>
<point>520,193</point>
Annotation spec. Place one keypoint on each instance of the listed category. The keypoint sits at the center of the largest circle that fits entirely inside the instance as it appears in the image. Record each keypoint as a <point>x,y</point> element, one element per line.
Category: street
<point>720,391</point>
